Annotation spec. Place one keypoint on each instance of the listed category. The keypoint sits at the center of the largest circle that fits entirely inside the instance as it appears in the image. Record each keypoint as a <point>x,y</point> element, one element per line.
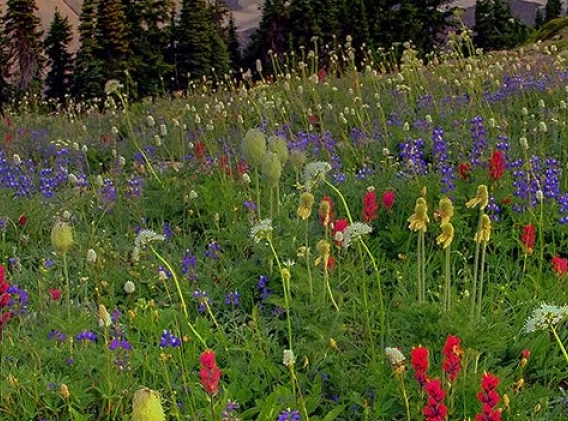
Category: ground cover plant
<point>388,245</point>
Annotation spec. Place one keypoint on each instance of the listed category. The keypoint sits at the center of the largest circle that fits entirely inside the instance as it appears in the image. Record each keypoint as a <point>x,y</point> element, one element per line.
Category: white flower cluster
<point>289,358</point>
<point>545,317</point>
<point>313,172</point>
<point>144,237</point>
<point>354,232</point>
<point>262,230</point>
<point>394,356</point>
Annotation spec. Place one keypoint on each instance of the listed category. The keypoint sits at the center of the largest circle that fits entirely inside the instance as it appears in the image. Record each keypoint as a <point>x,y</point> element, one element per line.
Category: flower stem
<point>448,282</point>
<point>67,286</point>
<point>559,342</point>
<point>481,276</point>
<point>180,294</point>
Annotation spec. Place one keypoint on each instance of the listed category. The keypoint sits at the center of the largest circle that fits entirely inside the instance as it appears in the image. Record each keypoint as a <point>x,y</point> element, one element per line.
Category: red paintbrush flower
<point>55,294</point>
<point>419,362</point>
<point>452,351</point>
<point>435,409</point>
<point>560,265</point>
<point>199,150</point>
<point>496,166</point>
<point>489,398</point>
<point>527,238</point>
<point>4,299</point>
<point>464,170</point>
<point>388,200</point>
<point>370,206</point>
<point>210,372</point>
<point>338,229</point>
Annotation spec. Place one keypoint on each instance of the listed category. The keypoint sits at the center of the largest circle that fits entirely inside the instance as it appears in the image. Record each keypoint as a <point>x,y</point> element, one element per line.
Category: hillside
<point>247,13</point>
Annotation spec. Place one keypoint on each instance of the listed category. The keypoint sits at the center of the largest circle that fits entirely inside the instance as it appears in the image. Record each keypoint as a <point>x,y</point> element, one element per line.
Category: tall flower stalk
<point>445,213</point>
<point>418,222</point>
<point>482,200</point>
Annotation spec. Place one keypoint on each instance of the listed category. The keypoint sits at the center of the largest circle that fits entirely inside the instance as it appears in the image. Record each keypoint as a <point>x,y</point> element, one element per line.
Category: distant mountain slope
<point>247,13</point>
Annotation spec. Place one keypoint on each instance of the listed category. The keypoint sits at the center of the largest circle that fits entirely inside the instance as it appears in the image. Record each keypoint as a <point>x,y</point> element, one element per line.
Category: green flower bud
<point>297,159</point>
<point>254,147</point>
<point>61,237</point>
<point>279,146</point>
<point>147,406</point>
<point>271,169</point>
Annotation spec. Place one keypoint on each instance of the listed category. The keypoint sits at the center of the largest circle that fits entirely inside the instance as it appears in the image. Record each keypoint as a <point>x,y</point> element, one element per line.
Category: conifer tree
<point>88,73</point>
<point>4,71</point>
<point>23,45</point>
<point>59,59</point>
<point>193,36</point>
<point>539,18</point>
<point>112,38</point>
<point>233,46</point>
<point>147,21</point>
<point>303,24</point>
<point>552,10</point>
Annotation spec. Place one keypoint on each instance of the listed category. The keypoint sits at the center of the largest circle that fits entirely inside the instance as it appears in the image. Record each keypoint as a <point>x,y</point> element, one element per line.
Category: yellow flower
<point>324,249</point>
<point>147,406</point>
<point>306,204</point>
<point>61,237</point>
<point>419,220</point>
<point>446,210</point>
<point>481,198</point>
<point>484,232</point>
<point>447,235</point>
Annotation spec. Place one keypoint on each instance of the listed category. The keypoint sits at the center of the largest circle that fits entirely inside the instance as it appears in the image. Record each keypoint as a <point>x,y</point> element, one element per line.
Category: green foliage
<point>59,59</point>
<point>112,38</point>
<point>548,30</point>
<point>552,10</point>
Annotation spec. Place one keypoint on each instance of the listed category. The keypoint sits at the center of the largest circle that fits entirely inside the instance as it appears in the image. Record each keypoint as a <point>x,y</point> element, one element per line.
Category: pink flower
<point>489,398</point>
<point>419,361</point>
<point>435,409</point>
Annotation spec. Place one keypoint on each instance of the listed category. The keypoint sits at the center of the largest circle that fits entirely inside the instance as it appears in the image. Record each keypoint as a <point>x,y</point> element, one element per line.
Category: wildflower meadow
<point>381,242</point>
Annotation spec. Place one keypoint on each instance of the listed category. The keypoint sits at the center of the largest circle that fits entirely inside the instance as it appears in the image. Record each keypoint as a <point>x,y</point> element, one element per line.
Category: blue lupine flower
<point>232,299</point>
<point>86,336</point>
<point>168,339</point>
<point>289,415</point>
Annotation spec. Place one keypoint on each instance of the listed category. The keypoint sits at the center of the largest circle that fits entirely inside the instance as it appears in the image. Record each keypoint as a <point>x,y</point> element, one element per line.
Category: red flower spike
<point>4,299</point>
<point>489,398</point>
<point>210,372</point>
<point>337,230</point>
<point>22,220</point>
<point>370,207</point>
<point>527,238</point>
<point>560,265</point>
<point>464,170</point>
<point>435,409</point>
<point>452,351</point>
<point>55,294</point>
<point>496,166</point>
<point>419,361</point>
<point>199,150</point>
<point>388,200</point>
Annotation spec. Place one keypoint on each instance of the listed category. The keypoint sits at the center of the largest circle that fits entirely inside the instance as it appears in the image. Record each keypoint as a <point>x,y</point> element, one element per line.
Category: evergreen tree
<point>112,38</point>
<point>23,45</point>
<point>4,71</point>
<point>552,10</point>
<point>147,29</point>
<point>193,36</point>
<point>539,18</point>
<point>88,72</point>
<point>233,45</point>
<point>59,59</point>
<point>495,27</point>
<point>303,24</point>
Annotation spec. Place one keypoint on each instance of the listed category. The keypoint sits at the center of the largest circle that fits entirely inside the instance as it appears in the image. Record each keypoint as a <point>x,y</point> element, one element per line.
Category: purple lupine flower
<point>168,233</point>
<point>412,158</point>
<point>232,299</point>
<point>18,301</point>
<point>479,136</point>
<point>203,300</point>
<point>86,336</point>
<point>213,250</point>
<point>441,164</point>
<point>289,415</point>
<point>168,339</point>
<point>57,335</point>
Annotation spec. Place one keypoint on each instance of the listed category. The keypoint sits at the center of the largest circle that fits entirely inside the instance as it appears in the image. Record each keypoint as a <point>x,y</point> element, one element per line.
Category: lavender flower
<point>86,336</point>
<point>289,415</point>
<point>232,299</point>
<point>168,339</point>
